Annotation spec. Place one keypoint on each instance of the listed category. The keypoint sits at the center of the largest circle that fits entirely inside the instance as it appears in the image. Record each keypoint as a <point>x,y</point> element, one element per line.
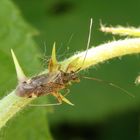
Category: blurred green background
<point>100,112</point>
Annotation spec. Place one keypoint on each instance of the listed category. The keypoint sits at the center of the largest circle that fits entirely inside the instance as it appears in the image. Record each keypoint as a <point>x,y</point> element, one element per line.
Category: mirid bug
<point>45,84</point>
<point>50,83</point>
<point>53,82</point>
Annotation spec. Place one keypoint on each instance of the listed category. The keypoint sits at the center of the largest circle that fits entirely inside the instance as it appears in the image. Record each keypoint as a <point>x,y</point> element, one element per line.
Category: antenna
<point>89,38</point>
<point>109,83</point>
<point>88,44</point>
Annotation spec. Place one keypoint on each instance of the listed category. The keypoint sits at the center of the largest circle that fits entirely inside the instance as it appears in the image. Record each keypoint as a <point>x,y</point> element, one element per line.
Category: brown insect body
<point>46,84</point>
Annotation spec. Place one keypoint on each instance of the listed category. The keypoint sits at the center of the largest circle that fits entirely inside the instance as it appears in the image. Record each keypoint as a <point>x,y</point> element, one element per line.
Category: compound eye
<point>65,74</point>
<point>75,77</point>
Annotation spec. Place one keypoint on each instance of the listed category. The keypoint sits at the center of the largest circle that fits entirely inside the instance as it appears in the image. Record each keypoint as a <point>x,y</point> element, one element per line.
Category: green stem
<point>104,52</point>
<point>122,31</point>
<point>11,104</point>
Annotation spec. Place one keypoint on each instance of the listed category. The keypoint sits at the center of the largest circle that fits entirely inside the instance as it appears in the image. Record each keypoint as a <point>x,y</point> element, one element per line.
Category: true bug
<point>53,82</point>
<point>50,83</point>
<point>45,84</point>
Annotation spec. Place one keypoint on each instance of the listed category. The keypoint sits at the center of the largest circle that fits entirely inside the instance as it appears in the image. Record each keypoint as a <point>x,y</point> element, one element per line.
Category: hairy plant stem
<point>122,31</point>
<point>11,104</point>
<point>104,52</point>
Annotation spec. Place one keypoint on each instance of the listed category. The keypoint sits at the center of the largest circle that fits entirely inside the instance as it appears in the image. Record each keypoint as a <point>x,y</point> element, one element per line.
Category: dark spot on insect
<point>60,8</point>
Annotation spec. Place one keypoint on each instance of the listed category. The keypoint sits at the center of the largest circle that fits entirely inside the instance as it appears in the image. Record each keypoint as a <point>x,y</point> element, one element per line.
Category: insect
<point>53,82</point>
<point>50,83</point>
<point>45,84</point>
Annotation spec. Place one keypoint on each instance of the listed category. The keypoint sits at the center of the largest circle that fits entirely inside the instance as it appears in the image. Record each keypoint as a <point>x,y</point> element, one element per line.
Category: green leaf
<point>17,34</point>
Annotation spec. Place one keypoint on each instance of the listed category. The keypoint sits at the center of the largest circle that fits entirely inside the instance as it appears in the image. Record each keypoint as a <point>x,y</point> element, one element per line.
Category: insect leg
<point>67,91</point>
<point>61,98</point>
<point>45,105</point>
